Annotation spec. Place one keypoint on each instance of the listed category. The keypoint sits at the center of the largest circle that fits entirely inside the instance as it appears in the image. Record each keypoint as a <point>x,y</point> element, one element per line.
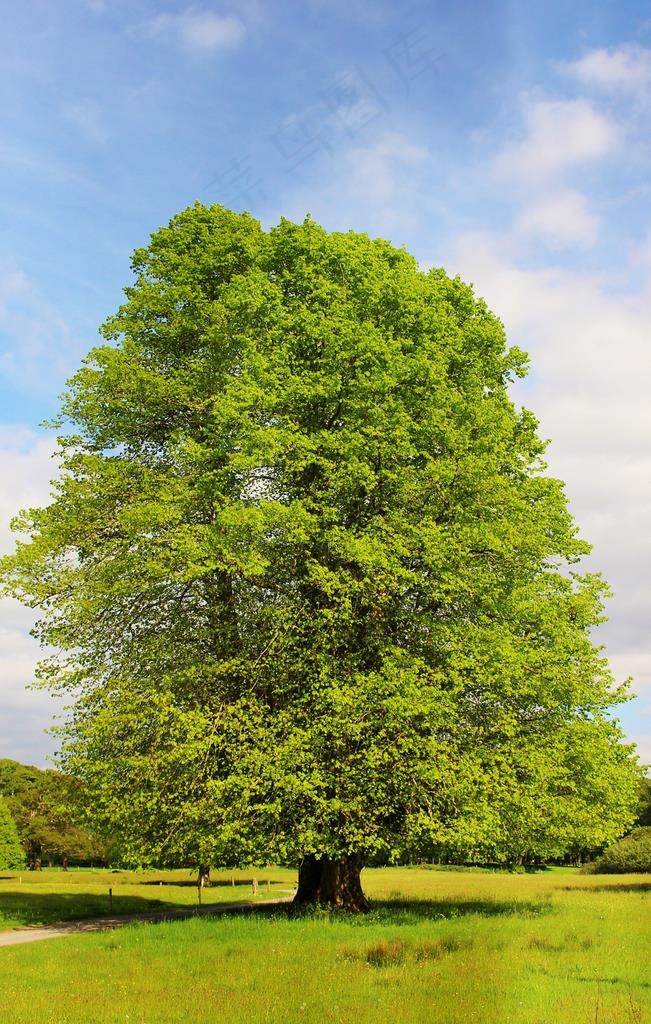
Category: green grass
<point>41,897</point>
<point>438,948</point>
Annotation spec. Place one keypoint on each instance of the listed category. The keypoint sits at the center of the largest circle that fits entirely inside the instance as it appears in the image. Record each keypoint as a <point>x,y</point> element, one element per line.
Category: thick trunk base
<point>331,882</point>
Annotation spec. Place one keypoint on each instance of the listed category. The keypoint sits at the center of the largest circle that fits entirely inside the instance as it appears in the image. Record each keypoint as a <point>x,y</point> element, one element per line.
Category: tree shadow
<point>613,981</point>
<point>629,887</point>
<point>218,883</point>
<point>397,911</point>
<point>30,908</point>
<point>595,980</point>
<point>410,912</point>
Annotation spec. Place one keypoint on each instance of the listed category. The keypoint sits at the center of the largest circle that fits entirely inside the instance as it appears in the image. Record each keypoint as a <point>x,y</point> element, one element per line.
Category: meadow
<point>438,948</point>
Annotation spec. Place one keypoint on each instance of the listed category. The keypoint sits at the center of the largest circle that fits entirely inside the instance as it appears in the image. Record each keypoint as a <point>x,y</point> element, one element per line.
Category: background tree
<point>15,778</point>
<point>643,810</point>
<point>46,806</point>
<point>12,855</point>
<point>316,591</point>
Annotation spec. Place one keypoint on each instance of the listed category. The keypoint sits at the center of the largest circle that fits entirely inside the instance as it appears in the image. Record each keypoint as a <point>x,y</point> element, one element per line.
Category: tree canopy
<point>314,595</point>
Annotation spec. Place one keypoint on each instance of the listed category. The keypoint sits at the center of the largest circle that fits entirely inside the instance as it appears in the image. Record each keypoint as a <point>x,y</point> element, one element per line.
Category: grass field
<point>438,948</point>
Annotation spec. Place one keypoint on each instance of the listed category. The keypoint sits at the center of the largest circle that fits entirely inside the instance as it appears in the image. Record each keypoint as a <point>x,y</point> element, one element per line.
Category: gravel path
<point>101,924</point>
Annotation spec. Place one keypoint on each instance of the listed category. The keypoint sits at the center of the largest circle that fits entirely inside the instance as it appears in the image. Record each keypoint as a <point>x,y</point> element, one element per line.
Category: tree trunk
<point>331,882</point>
<point>204,875</point>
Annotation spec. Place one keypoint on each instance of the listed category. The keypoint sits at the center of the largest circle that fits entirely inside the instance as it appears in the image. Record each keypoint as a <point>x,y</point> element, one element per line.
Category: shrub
<point>632,853</point>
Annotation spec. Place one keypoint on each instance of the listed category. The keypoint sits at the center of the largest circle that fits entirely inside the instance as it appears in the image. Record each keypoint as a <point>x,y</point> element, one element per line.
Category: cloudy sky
<point>507,142</point>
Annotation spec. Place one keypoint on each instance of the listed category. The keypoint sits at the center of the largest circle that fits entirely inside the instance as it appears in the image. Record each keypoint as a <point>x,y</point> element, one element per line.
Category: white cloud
<point>560,135</point>
<point>26,467</point>
<point>198,31</point>
<point>561,220</point>
<point>43,166</point>
<point>13,282</point>
<point>638,666</point>
<point>378,183</point>
<point>376,172</point>
<point>590,385</point>
<point>88,118</point>
<point>623,69</point>
<point>36,342</point>
<point>640,256</point>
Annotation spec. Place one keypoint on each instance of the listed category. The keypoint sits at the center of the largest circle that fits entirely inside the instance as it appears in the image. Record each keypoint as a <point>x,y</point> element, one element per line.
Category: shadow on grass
<point>410,912</point>
<point>629,887</point>
<point>218,883</point>
<point>399,912</point>
<point>21,907</point>
<point>27,908</point>
<point>594,979</point>
<point>613,981</point>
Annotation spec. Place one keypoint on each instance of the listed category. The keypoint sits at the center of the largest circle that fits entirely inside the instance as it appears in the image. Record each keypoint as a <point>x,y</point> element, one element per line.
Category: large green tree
<point>306,578</point>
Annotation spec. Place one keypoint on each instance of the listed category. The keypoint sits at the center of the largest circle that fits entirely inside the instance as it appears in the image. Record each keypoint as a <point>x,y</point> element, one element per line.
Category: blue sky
<point>508,142</point>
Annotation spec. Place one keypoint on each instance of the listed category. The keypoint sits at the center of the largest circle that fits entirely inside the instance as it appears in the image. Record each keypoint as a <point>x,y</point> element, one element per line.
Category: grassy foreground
<point>438,948</point>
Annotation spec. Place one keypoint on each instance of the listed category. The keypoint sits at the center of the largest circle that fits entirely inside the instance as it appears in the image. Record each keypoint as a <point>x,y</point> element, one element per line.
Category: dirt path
<point>101,924</point>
